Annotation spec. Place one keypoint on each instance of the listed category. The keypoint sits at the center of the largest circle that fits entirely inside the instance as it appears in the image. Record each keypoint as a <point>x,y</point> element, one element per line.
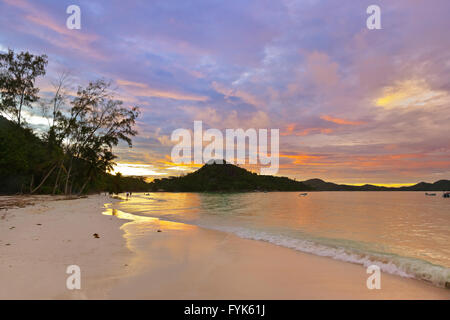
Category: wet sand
<point>132,260</point>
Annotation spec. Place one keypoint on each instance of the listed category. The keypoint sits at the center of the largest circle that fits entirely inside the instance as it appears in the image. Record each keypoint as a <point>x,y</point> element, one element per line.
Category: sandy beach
<point>40,241</point>
<point>147,258</point>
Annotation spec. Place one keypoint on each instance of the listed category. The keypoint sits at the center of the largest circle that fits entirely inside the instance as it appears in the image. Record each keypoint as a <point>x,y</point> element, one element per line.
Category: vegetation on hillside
<point>320,185</point>
<point>74,155</point>
<point>226,177</point>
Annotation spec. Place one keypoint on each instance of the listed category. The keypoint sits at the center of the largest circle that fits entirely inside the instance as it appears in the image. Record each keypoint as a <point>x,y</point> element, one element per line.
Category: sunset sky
<point>353,105</point>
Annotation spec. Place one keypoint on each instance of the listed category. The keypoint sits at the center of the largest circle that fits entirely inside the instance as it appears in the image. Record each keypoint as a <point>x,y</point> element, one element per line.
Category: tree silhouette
<point>18,73</point>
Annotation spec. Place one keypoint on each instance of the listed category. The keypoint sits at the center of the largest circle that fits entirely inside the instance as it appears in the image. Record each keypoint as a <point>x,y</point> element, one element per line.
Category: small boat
<point>430,194</point>
<point>303,194</point>
<point>446,195</point>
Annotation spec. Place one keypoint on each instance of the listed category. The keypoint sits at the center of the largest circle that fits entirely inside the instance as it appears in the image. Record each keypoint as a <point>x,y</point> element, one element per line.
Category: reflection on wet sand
<point>138,227</point>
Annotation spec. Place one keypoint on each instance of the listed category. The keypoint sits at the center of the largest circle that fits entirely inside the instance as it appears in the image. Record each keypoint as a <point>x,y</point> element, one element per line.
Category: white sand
<point>181,262</point>
<point>33,265</point>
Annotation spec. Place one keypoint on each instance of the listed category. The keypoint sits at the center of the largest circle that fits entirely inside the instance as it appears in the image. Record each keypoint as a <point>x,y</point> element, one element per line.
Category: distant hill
<point>226,177</point>
<point>320,185</point>
<point>230,178</point>
<point>441,185</point>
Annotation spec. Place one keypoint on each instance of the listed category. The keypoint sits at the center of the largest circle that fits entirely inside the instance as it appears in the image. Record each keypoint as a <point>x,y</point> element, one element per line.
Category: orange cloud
<point>396,162</point>
<point>308,131</point>
<point>290,131</point>
<point>411,93</point>
<point>300,158</point>
<point>341,121</point>
<point>167,161</point>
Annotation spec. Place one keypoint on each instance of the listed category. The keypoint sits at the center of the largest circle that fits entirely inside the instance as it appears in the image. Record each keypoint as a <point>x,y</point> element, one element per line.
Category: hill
<point>230,178</point>
<point>320,185</point>
<point>226,177</point>
<point>441,185</point>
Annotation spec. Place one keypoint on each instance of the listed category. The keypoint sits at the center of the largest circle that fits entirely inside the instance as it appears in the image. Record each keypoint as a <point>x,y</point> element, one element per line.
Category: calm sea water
<point>405,233</point>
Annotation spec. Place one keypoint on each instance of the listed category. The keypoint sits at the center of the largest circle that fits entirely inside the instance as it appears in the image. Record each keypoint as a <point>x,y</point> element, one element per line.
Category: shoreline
<point>132,260</point>
<point>38,243</point>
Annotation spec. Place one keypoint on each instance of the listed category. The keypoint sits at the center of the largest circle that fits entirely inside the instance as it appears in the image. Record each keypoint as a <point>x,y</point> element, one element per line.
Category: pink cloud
<point>341,121</point>
<point>143,90</point>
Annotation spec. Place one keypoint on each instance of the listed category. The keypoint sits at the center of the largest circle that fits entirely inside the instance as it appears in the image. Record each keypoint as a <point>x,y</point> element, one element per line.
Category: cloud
<point>143,90</point>
<point>227,119</point>
<point>133,169</point>
<point>323,71</point>
<point>295,130</point>
<point>365,103</point>
<point>341,121</point>
<point>46,28</point>
<point>237,93</point>
<point>411,93</point>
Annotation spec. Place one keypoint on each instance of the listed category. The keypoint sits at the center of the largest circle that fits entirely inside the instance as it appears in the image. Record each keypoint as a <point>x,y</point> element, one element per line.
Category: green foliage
<point>25,157</point>
<point>76,153</point>
<point>22,156</point>
<point>18,73</point>
<point>95,124</point>
<point>119,183</point>
<point>226,177</point>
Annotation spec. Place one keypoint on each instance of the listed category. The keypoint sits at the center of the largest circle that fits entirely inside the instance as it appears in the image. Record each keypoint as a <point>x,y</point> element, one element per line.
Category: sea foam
<point>390,263</point>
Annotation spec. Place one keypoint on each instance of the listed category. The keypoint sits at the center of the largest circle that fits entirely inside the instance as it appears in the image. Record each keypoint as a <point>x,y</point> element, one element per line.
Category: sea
<point>404,233</point>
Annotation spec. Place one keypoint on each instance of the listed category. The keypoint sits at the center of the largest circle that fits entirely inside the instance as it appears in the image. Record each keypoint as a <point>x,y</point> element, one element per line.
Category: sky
<point>353,105</point>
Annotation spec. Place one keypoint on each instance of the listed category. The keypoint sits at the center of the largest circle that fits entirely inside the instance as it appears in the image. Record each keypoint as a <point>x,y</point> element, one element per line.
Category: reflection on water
<point>139,225</point>
<point>396,224</point>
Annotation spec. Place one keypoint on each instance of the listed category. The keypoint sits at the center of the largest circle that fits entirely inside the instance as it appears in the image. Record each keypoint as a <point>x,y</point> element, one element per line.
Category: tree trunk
<point>84,185</point>
<point>57,180</point>
<point>43,180</point>
<point>66,188</point>
<point>31,183</point>
<point>20,108</point>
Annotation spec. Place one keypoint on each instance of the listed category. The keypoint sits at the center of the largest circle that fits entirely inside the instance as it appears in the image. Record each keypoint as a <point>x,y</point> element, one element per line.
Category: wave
<point>390,263</point>
<point>338,249</point>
